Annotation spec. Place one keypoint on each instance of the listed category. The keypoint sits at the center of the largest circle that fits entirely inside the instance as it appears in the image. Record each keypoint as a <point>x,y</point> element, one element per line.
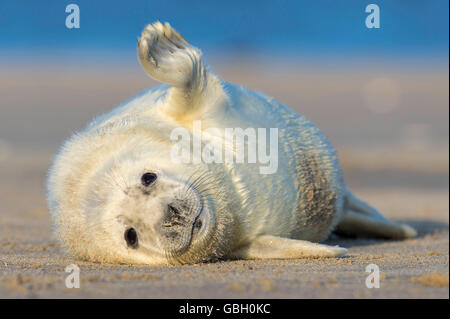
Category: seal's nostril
<point>173,210</point>
<point>198,223</point>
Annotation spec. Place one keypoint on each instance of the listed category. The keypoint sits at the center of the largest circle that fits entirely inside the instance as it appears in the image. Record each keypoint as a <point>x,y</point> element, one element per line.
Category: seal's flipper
<point>361,219</point>
<point>355,204</point>
<point>358,224</point>
<point>167,57</point>
<point>273,247</point>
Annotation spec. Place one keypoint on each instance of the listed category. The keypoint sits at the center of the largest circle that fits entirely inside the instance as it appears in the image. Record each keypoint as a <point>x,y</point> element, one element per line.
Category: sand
<point>404,176</point>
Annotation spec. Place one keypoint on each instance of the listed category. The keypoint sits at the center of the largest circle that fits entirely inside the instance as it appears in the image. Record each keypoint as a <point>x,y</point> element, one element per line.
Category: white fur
<point>248,214</point>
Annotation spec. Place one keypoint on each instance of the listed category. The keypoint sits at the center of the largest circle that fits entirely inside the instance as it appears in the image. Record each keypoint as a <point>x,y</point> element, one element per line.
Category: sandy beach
<point>394,157</point>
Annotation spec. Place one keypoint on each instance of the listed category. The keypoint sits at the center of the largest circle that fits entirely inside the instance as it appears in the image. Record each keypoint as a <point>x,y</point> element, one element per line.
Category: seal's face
<point>159,218</point>
<point>151,216</point>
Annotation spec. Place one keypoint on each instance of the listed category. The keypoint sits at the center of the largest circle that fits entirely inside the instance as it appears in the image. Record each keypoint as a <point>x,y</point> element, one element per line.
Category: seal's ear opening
<point>131,238</point>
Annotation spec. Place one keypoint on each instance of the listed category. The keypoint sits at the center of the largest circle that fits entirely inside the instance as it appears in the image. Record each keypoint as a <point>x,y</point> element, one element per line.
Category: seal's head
<point>157,216</point>
<point>122,207</point>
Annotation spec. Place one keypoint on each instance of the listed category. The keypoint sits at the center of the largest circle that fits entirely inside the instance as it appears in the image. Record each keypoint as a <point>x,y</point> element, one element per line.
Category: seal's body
<point>116,193</point>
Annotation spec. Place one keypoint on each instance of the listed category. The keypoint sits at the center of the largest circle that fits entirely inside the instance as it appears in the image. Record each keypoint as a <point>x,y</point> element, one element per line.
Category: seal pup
<point>116,196</point>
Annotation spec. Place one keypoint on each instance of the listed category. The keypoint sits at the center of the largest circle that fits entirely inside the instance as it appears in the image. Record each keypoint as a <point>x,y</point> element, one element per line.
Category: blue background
<point>336,27</point>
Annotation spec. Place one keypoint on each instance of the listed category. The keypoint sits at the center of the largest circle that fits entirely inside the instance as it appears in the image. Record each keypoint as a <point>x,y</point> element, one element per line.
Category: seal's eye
<point>148,178</point>
<point>131,237</point>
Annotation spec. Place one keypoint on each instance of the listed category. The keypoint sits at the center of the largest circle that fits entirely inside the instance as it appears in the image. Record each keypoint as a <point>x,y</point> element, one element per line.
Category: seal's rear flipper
<point>273,247</point>
<point>167,57</point>
<point>360,219</point>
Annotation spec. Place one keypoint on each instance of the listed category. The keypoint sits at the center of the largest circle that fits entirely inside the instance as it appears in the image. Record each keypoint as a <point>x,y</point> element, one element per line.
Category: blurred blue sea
<point>331,28</point>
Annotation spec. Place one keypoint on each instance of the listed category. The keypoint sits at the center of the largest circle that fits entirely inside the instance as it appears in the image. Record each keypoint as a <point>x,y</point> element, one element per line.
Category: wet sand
<point>397,160</point>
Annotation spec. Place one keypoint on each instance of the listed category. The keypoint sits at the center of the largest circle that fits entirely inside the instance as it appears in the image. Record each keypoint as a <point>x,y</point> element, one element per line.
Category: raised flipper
<point>360,219</point>
<point>167,57</point>
<point>272,247</point>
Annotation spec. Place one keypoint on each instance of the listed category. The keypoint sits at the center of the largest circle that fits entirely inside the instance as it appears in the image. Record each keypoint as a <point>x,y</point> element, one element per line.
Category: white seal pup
<point>116,194</point>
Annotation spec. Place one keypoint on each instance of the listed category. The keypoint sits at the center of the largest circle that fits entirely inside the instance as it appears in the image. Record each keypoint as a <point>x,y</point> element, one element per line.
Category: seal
<point>116,194</point>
